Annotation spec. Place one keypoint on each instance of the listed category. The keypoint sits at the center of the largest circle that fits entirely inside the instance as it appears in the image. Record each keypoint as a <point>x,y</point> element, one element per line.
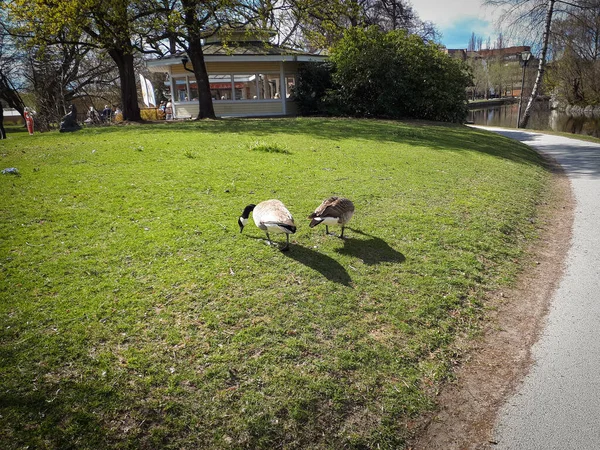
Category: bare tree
<point>500,41</point>
<point>529,15</point>
<point>323,23</point>
<point>472,42</point>
<point>541,67</point>
<point>10,65</point>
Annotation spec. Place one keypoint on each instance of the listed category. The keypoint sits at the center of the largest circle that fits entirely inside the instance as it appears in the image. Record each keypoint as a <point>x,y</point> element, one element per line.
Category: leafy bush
<point>260,146</point>
<point>393,75</point>
<point>314,81</point>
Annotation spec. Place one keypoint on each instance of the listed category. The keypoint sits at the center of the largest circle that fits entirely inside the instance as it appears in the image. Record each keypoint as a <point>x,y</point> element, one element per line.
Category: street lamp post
<point>184,61</point>
<point>524,58</point>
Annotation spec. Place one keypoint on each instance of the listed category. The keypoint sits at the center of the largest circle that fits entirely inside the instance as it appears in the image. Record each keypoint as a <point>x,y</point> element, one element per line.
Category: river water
<point>542,118</point>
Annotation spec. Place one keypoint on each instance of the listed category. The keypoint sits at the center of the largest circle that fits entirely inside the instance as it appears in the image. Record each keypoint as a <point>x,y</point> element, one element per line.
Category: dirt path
<point>499,360</point>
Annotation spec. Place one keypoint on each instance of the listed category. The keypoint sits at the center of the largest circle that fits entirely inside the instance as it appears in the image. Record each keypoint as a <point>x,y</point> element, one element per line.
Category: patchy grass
<point>259,146</point>
<point>134,314</point>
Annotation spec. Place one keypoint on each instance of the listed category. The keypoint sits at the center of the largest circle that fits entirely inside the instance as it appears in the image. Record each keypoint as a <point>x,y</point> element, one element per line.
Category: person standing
<point>28,120</point>
<point>2,130</point>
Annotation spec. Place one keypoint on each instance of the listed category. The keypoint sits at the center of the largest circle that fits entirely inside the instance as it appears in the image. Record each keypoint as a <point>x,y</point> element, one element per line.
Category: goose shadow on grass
<point>371,251</point>
<point>325,265</point>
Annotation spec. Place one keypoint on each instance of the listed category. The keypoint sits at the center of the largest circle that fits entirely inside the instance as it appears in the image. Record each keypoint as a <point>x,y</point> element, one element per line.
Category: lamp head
<point>184,60</point>
<point>525,57</point>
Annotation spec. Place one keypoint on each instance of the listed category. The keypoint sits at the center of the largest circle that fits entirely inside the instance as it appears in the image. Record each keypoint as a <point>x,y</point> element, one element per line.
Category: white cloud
<point>447,12</point>
<point>457,19</point>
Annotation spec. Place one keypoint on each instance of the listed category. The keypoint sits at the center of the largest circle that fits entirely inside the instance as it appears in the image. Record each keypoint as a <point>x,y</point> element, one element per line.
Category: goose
<point>271,216</point>
<point>333,211</point>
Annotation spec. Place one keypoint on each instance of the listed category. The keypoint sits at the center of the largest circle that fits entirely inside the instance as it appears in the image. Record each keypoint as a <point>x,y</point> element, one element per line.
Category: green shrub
<point>314,81</point>
<point>394,75</point>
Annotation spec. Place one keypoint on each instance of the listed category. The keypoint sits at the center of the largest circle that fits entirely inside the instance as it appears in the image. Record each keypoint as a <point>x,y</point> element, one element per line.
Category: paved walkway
<point>558,405</point>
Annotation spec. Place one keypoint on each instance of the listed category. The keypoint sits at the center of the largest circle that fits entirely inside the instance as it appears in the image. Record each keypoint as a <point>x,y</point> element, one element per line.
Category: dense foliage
<point>393,75</point>
<point>314,82</point>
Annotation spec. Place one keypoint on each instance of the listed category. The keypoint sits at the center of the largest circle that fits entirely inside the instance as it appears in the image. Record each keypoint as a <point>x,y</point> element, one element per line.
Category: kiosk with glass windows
<point>247,77</point>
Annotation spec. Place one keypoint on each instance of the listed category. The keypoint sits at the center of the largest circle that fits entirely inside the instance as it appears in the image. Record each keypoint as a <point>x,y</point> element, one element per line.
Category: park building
<point>248,76</point>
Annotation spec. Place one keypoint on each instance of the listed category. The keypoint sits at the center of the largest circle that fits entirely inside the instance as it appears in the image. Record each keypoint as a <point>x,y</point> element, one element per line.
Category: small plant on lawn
<point>260,146</point>
<point>189,153</point>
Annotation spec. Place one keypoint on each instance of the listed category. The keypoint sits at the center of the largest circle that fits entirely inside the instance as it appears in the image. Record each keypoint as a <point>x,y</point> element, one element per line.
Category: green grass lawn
<point>134,314</point>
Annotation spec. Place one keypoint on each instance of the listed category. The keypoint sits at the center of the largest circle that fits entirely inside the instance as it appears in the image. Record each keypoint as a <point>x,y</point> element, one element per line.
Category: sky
<point>457,19</point>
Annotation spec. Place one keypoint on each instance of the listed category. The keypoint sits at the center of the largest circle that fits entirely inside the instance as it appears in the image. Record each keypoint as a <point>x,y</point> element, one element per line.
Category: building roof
<point>238,52</point>
<point>505,52</point>
<point>249,48</point>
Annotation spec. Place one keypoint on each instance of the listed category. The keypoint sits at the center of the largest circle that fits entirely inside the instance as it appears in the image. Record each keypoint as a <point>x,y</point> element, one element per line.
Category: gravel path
<point>558,404</point>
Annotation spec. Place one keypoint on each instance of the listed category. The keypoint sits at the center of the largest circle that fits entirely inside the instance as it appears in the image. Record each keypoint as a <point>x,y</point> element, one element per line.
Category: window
<point>290,85</point>
<point>181,91</point>
<point>194,90</point>
<point>245,87</point>
<point>220,87</point>
<point>268,86</point>
<point>252,86</point>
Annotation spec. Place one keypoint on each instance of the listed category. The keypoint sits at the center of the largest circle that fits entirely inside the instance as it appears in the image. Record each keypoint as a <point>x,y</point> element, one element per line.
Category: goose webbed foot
<point>269,242</point>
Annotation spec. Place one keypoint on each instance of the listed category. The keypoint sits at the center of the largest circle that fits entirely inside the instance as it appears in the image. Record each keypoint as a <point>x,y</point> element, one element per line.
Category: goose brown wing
<point>321,211</point>
<point>336,207</point>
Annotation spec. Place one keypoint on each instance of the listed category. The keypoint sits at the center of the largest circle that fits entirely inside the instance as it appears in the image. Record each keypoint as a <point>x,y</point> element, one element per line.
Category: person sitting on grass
<point>106,113</point>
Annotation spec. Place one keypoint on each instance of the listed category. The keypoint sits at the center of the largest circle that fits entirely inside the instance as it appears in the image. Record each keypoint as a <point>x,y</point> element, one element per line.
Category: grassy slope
<point>134,314</point>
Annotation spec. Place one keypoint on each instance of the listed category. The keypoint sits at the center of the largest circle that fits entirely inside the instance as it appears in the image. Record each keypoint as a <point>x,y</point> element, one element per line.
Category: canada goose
<point>271,216</point>
<point>333,211</point>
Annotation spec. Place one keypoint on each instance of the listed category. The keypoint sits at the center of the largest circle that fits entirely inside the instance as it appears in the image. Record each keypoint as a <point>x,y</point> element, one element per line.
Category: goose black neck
<point>247,211</point>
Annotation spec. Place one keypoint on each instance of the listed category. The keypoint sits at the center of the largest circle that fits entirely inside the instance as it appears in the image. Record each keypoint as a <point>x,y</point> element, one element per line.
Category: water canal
<point>543,118</point>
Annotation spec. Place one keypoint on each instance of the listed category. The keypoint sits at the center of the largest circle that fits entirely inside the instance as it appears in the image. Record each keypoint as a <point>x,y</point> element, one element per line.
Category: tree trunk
<point>129,97</point>
<point>10,95</point>
<point>196,55</point>
<point>541,67</point>
<point>206,110</point>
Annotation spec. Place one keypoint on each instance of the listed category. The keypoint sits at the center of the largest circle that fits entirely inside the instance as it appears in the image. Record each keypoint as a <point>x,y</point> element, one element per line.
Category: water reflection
<point>542,118</point>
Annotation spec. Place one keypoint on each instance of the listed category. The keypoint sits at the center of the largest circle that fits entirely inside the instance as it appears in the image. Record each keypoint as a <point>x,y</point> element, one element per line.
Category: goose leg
<point>269,239</point>
<point>287,244</point>
<point>326,229</point>
<point>342,235</point>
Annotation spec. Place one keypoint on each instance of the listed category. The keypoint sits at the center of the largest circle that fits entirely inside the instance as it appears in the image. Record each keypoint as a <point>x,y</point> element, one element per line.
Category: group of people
<point>165,110</point>
<point>93,116</point>
<point>69,121</point>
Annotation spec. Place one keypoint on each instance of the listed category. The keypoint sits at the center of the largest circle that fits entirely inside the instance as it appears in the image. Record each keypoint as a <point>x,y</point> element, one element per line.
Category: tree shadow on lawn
<point>371,251</point>
<point>325,265</point>
<point>58,416</point>
<point>436,135</point>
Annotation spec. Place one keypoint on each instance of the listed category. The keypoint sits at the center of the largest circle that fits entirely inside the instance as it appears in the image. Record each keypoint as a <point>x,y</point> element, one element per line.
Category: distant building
<point>507,53</point>
<point>504,80</point>
<point>12,116</point>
